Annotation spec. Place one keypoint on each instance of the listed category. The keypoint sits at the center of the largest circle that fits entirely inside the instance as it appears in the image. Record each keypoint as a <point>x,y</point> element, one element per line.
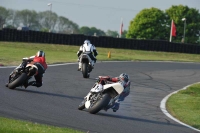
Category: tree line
<point>47,21</point>
<point>151,23</point>
<point>155,24</point>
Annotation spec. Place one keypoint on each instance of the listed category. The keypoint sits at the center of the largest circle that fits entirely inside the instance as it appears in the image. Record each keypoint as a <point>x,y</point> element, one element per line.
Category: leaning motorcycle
<point>86,67</point>
<point>101,98</point>
<point>21,76</point>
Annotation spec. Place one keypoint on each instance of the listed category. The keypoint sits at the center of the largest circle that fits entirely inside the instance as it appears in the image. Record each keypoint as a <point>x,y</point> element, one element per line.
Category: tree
<point>124,34</point>
<point>27,18</point>
<point>11,20</point>
<point>3,16</point>
<point>112,33</point>
<point>91,31</point>
<point>148,24</point>
<point>47,20</point>
<point>64,25</point>
<point>192,22</point>
<point>96,31</point>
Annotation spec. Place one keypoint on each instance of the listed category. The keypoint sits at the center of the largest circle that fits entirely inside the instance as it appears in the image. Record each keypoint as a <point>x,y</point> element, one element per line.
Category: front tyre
<point>85,70</point>
<point>82,105</point>
<point>100,104</point>
<point>19,81</point>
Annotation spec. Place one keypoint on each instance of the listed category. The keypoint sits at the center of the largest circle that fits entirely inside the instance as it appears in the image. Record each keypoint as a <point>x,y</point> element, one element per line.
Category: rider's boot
<point>79,66</point>
<point>115,106</point>
<point>92,64</point>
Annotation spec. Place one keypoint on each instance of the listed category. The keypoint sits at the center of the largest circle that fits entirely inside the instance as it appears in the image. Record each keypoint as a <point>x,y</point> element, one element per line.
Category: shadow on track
<point>49,94</point>
<point>138,119</point>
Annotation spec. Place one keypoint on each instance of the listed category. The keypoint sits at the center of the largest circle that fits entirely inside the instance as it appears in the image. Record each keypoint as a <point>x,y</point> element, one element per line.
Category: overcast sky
<point>102,14</point>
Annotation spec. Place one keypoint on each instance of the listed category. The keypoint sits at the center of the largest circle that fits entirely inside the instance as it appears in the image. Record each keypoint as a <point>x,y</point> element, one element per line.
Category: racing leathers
<point>88,49</point>
<point>104,80</point>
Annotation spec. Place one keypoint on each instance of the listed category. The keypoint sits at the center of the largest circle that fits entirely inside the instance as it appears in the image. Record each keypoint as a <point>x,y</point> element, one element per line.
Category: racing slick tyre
<point>100,104</point>
<point>82,105</point>
<point>85,70</point>
<point>17,82</point>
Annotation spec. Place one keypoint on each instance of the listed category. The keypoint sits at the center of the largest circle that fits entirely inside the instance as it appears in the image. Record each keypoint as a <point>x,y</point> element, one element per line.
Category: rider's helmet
<point>124,77</point>
<point>40,54</point>
<point>87,42</point>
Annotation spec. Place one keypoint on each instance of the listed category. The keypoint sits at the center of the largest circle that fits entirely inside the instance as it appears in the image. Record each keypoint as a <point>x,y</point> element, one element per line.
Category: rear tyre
<point>100,104</point>
<point>85,70</point>
<point>19,81</point>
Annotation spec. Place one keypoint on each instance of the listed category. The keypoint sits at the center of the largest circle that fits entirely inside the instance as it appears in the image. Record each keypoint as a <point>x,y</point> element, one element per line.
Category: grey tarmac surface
<point>56,102</point>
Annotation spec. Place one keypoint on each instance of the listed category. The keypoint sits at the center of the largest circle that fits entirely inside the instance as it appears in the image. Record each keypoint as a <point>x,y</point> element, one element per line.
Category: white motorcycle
<point>101,98</point>
<point>87,65</point>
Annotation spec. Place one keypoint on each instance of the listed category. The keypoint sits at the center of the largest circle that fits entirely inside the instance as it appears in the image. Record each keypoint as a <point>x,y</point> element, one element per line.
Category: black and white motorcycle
<point>101,97</point>
<point>87,65</point>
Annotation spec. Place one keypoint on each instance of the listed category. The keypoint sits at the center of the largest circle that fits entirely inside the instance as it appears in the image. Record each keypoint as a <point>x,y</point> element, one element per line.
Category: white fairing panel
<point>117,86</point>
<point>87,104</point>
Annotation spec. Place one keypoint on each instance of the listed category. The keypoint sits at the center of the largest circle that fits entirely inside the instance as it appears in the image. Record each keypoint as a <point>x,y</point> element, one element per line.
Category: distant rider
<point>123,79</point>
<point>38,60</point>
<point>89,49</point>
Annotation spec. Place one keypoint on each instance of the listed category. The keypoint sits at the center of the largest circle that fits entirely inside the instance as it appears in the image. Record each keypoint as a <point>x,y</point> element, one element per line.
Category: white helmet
<point>87,42</point>
<point>40,54</point>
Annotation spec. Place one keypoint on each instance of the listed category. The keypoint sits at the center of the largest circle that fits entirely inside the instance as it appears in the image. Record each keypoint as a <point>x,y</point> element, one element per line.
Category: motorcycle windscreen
<point>117,86</point>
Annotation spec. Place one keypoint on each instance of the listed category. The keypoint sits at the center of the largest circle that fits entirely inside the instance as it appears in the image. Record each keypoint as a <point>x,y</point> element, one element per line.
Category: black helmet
<point>124,77</point>
<point>40,54</point>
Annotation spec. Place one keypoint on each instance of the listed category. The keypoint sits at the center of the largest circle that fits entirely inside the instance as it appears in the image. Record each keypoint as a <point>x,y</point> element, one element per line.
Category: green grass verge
<point>17,126</point>
<point>185,106</point>
<point>11,53</point>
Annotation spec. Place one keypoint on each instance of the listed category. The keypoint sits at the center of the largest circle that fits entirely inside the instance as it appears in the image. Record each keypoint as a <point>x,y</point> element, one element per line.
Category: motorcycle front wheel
<point>100,104</point>
<point>82,105</point>
<point>17,82</point>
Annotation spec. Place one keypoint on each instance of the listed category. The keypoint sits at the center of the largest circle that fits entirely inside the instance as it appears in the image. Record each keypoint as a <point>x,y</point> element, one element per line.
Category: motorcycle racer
<point>89,49</point>
<point>39,61</point>
<point>123,79</point>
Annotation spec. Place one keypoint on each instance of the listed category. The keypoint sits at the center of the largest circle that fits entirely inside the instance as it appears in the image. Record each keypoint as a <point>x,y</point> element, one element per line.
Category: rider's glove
<point>25,59</point>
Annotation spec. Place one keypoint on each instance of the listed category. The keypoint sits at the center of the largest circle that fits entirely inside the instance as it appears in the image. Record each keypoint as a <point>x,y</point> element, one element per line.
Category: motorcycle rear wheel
<point>19,81</point>
<point>85,70</point>
<point>100,104</point>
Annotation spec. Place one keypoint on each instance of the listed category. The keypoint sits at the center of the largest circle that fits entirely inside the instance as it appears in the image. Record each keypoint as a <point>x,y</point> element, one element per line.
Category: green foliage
<point>91,31</point>
<point>3,16</point>
<point>47,20</point>
<point>192,22</point>
<point>155,24</point>
<point>45,30</point>
<point>148,24</point>
<point>66,26</point>
<point>41,21</point>
<point>124,34</point>
<point>112,33</point>
<point>28,18</point>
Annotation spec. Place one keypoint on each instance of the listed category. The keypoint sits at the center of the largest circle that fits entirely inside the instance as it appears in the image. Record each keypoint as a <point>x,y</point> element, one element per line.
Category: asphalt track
<point>56,102</point>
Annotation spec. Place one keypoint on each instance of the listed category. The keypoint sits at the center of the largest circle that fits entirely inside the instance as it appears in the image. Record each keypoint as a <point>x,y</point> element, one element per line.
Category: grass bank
<point>11,53</point>
<point>185,106</point>
<point>16,126</point>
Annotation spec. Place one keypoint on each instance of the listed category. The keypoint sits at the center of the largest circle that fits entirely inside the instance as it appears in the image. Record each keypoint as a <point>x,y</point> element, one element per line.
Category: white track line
<point>163,107</point>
